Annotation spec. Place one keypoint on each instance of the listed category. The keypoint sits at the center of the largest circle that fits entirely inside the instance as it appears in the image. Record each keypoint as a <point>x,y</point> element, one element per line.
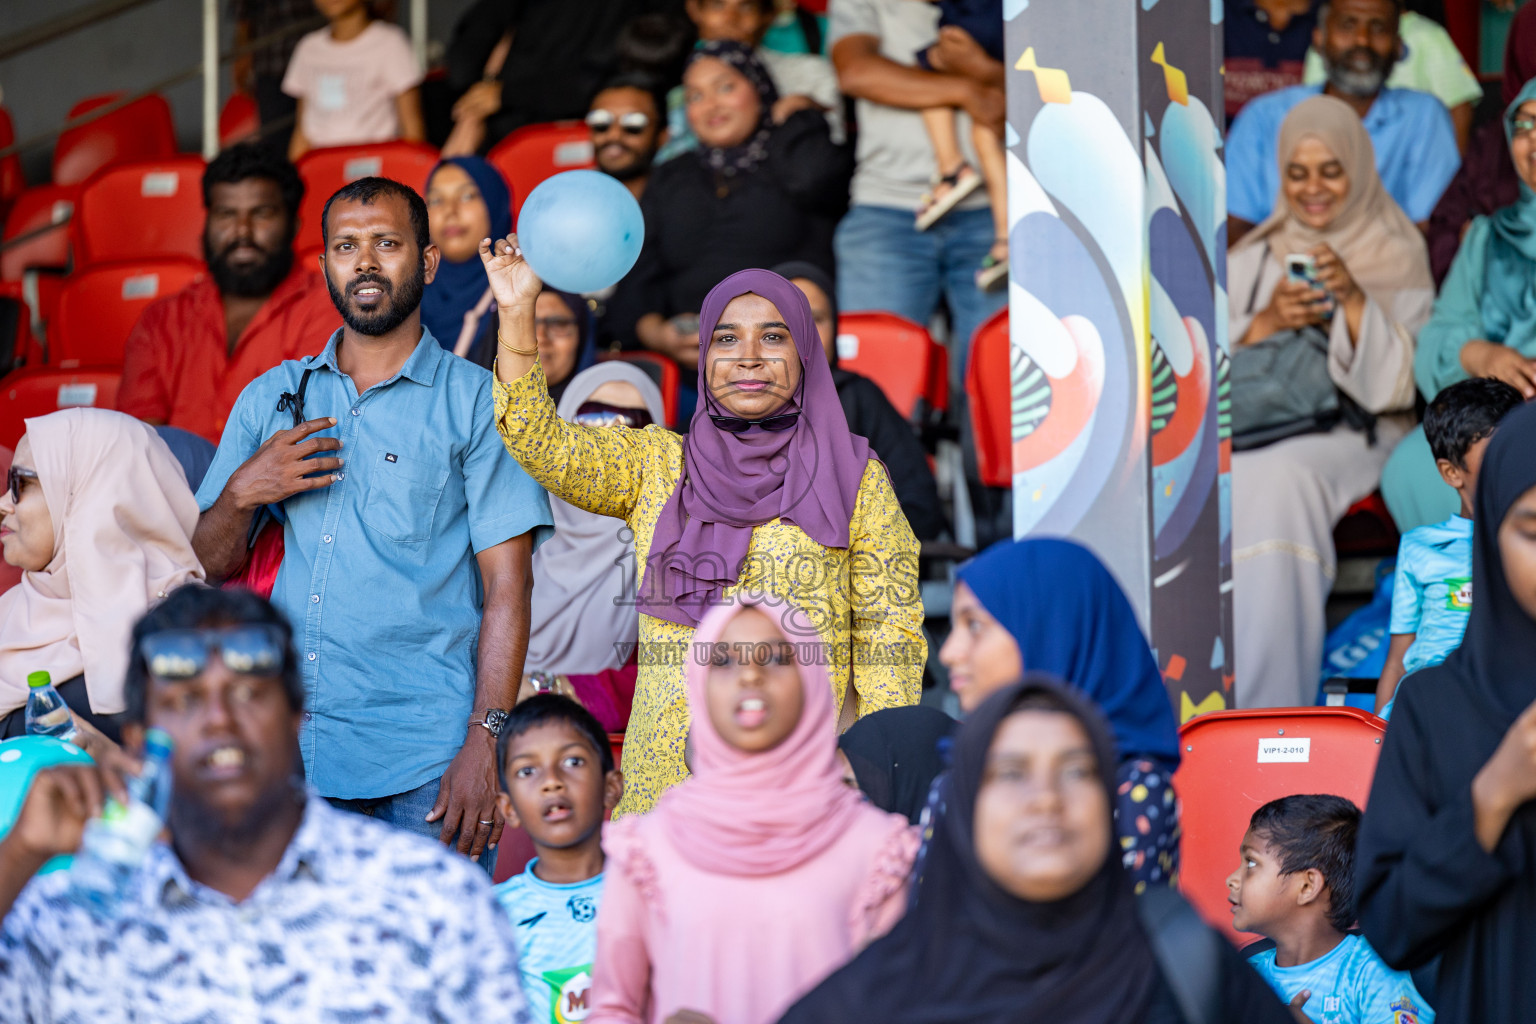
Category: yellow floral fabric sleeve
<point>889,649</point>
<point>601,470</point>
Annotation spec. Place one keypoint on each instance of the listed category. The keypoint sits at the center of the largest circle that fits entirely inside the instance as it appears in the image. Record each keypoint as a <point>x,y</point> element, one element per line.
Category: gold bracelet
<point>519,351</point>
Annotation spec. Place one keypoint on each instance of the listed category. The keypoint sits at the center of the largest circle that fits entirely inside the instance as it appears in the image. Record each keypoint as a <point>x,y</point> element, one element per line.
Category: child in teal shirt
<point>558,782</point>
<point>1296,886</point>
<point>1432,589</point>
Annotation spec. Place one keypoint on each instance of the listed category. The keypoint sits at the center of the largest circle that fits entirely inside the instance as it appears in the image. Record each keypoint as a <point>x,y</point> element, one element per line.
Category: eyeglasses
<point>632,123</point>
<point>563,325</point>
<point>737,425</point>
<point>601,414</point>
<point>255,649</point>
<point>14,478</point>
<point>1521,126</point>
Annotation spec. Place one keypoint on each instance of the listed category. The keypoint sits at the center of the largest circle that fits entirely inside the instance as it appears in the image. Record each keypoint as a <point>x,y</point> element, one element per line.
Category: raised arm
<point>889,649</point>
<point>599,469</point>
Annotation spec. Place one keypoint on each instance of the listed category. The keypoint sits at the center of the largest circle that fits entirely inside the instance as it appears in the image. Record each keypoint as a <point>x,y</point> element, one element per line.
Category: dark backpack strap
<point>1188,953</point>
<point>294,403</point>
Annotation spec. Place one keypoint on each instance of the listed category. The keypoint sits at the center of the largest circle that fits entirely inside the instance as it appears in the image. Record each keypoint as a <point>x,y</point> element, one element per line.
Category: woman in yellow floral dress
<point>770,494</point>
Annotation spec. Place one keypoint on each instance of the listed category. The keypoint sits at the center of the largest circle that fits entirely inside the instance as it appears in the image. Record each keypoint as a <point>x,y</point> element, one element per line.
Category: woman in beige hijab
<point>1374,293</point>
<point>98,515</point>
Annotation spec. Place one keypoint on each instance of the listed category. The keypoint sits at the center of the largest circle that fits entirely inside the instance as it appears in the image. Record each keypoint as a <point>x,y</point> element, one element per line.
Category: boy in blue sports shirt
<point>1432,590</point>
<point>1296,886</point>
<point>558,782</point>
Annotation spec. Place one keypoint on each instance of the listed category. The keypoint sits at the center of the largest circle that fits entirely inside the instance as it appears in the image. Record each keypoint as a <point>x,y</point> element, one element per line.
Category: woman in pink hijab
<point>97,514</point>
<point>762,873</point>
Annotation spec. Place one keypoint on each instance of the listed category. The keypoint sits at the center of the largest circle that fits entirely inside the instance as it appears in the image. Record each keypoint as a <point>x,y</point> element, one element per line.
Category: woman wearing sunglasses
<point>770,494</point>
<point>98,516</point>
<point>584,627</point>
<point>757,191</point>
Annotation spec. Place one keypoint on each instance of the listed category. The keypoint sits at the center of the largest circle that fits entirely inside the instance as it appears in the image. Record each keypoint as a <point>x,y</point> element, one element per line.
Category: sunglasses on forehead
<point>177,655</point>
<point>15,477</point>
<point>601,414</point>
<point>632,123</point>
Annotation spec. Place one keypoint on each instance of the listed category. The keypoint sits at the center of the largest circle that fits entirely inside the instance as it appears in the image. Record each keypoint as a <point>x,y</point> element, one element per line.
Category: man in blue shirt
<point>1414,139</point>
<point>407,537</point>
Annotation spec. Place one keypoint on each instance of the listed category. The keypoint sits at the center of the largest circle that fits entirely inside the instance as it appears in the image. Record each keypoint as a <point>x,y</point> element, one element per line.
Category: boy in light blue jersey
<point>558,782</point>
<point>1296,886</point>
<point>1432,589</point>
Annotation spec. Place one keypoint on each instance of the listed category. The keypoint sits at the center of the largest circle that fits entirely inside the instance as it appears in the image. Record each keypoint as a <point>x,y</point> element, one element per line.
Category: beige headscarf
<point>123,518</point>
<point>1383,249</point>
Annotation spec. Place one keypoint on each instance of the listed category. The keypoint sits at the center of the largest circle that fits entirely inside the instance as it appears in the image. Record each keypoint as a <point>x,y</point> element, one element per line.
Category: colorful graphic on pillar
<point>1078,407</point>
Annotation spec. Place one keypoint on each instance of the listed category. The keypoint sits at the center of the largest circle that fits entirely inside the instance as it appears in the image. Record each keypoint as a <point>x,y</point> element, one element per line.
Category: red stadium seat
<point>326,170</point>
<point>238,121</point>
<point>39,207</point>
<point>892,351</point>
<point>1236,761</point>
<point>100,305</point>
<point>989,391</point>
<point>537,151</point>
<point>142,130</point>
<point>142,211</point>
<point>1367,530</point>
<point>11,180</point>
<point>41,390</point>
<point>661,370</point>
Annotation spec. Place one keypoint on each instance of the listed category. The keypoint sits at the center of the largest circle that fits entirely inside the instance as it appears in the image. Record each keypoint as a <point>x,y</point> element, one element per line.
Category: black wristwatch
<point>494,719</point>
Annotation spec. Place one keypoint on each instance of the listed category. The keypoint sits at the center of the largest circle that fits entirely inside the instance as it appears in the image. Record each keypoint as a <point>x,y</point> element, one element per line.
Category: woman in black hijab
<point>896,754</point>
<point>1022,913</point>
<point>1447,848</point>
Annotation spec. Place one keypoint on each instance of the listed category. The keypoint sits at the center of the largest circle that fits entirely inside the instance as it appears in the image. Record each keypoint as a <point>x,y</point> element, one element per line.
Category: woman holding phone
<point>1325,298</point>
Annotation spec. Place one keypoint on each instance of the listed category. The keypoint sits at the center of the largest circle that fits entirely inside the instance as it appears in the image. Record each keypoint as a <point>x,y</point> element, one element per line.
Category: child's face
<point>1517,550</point>
<point>558,791</point>
<point>1259,893</point>
<point>1465,480</point>
<point>753,693</point>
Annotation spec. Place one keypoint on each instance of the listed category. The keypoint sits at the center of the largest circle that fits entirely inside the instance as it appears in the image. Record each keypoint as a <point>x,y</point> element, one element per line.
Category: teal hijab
<point>1509,292</point>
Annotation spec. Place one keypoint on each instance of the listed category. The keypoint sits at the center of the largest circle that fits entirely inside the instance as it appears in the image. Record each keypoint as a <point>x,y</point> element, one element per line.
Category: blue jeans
<point>409,811</point>
<point>883,262</point>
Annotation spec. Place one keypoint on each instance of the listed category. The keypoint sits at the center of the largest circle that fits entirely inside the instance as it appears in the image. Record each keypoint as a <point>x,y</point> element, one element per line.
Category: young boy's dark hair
<point>1463,414</point>
<point>1315,831</point>
<point>543,708</point>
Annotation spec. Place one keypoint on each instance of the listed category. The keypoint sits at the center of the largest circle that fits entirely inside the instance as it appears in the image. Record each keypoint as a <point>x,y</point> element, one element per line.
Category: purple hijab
<point>807,475</point>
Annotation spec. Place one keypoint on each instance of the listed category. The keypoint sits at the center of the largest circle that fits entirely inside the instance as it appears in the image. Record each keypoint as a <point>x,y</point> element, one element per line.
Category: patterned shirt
<point>360,921</point>
<point>861,601</point>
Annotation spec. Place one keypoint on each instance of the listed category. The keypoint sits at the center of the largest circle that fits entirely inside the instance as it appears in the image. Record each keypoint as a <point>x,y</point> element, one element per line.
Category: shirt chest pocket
<point>403,494</point>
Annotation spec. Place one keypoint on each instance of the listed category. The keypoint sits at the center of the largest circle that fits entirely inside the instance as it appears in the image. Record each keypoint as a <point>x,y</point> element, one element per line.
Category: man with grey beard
<point>1414,139</point>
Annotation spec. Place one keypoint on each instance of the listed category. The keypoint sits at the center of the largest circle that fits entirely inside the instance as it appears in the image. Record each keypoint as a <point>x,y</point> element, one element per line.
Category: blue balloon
<point>22,758</point>
<point>580,231</point>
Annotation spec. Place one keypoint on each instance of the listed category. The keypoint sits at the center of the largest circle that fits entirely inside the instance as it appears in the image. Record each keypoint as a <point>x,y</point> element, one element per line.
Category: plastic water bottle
<point>116,843</point>
<point>47,714</point>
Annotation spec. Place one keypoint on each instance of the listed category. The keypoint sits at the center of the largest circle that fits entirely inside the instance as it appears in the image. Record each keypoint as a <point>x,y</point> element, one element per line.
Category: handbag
<point>1281,388</point>
<point>264,543</point>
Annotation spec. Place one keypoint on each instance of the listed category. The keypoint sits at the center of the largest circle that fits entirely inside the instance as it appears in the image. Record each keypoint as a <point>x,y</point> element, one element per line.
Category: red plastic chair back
<point>537,151</point>
<point>326,170</point>
<point>1236,761</point>
<point>989,391</point>
<point>41,390</point>
<point>1367,530</point>
<point>100,305</point>
<point>142,130</point>
<point>11,179</point>
<point>238,121</point>
<point>142,211</point>
<point>892,351</point>
<point>39,207</point>
<point>661,370</point>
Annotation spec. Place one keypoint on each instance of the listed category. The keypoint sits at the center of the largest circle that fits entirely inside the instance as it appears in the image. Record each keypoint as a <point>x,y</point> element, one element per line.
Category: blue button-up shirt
<point>1411,132</point>
<point>378,576</point>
